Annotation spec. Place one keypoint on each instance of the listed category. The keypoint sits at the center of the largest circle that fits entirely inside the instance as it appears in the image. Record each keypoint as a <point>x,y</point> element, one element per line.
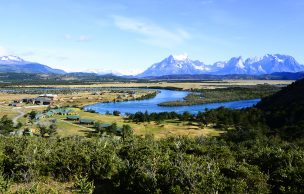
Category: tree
<point>127,131</point>
<point>146,117</point>
<point>19,125</point>
<point>32,114</point>
<point>50,131</point>
<point>116,113</point>
<point>186,116</point>
<point>6,125</point>
<point>113,128</point>
<point>43,130</point>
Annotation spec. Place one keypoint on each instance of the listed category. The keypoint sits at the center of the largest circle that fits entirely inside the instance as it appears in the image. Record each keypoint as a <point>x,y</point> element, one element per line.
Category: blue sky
<point>130,35</point>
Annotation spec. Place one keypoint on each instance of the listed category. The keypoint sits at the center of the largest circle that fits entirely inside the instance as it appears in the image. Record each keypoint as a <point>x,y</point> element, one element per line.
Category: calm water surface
<point>151,105</point>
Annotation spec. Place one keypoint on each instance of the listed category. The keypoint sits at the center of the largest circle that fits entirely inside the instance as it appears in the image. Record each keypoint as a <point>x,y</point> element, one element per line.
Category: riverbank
<point>142,95</point>
<point>206,96</point>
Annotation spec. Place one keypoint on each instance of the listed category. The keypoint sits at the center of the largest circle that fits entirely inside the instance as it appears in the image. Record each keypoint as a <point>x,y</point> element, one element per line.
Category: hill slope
<point>284,110</point>
<point>15,64</point>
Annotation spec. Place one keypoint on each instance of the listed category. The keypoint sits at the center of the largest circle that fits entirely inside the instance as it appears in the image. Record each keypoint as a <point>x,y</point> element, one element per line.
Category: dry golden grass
<point>43,186</point>
<point>8,110</point>
<point>6,98</point>
<point>200,85</point>
<point>85,98</point>
<point>75,99</point>
<point>173,128</point>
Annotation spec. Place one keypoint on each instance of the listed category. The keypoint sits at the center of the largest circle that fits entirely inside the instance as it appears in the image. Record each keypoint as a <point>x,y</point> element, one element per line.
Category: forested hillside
<point>284,110</point>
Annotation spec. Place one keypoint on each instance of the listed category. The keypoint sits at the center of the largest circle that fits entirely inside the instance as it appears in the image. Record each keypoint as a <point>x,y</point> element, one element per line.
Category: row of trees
<point>158,117</point>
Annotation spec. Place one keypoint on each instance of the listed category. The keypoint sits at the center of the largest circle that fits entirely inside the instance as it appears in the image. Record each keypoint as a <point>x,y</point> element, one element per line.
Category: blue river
<point>151,105</point>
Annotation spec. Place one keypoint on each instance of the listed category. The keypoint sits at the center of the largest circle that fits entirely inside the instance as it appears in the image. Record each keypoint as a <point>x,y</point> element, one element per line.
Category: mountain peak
<point>175,65</point>
<point>180,57</point>
<point>11,58</point>
<point>16,64</point>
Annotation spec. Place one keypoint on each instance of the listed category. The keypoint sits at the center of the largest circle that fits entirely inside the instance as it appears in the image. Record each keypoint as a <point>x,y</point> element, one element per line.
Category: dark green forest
<point>261,151</point>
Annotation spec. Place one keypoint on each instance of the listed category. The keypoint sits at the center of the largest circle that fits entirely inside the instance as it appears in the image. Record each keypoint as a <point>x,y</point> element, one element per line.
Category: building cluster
<point>98,126</point>
<point>44,99</point>
<point>52,112</point>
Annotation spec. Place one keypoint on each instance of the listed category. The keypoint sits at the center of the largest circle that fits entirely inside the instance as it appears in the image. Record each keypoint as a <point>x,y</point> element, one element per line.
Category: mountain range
<point>181,65</point>
<point>14,64</point>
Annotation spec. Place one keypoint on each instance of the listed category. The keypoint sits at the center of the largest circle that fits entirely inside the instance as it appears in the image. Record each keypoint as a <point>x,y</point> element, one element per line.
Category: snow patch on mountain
<point>174,65</point>
<point>16,64</point>
<point>181,57</point>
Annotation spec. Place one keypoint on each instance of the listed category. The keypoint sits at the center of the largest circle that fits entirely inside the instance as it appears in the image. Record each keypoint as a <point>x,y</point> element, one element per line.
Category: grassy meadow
<point>182,85</point>
<point>158,130</point>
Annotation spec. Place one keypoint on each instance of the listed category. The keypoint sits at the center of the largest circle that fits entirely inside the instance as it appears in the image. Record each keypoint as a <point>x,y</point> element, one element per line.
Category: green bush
<point>83,185</point>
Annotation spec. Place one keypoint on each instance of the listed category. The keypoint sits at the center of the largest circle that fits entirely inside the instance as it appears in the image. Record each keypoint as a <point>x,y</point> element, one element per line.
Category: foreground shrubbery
<point>145,165</point>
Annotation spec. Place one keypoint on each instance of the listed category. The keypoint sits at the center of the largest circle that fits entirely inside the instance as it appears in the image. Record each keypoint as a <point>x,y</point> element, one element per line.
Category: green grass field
<point>159,130</point>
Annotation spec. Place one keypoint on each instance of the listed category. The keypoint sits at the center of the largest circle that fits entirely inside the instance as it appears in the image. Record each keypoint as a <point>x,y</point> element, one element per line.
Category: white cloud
<point>151,33</point>
<point>130,71</point>
<point>3,51</point>
<point>81,38</point>
<point>116,72</point>
<point>68,37</point>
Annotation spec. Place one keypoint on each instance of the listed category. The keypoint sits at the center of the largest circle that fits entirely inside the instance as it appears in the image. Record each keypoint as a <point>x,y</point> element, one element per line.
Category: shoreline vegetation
<point>204,96</point>
<point>150,94</point>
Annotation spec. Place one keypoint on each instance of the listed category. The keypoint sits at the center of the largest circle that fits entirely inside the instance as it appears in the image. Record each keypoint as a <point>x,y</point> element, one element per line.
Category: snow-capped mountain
<point>273,63</point>
<point>14,64</point>
<point>267,64</point>
<point>174,65</point>
<point>11,59</point>
<point>234,66</point>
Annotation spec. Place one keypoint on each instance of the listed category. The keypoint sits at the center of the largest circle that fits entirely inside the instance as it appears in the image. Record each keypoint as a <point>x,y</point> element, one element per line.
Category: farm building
<point>49,114</point>
<point>73,118</point>
<point>43,101</point>
<point>119,131</point>
<point>39,116</point>
<point>50,96</point>
<point>52,112</point>
<point>102,126</point>
<point>60,111</point>
<point>87,121</point>
<point>28,100</point>
<point>15,104</point>
<point>17,101</point>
